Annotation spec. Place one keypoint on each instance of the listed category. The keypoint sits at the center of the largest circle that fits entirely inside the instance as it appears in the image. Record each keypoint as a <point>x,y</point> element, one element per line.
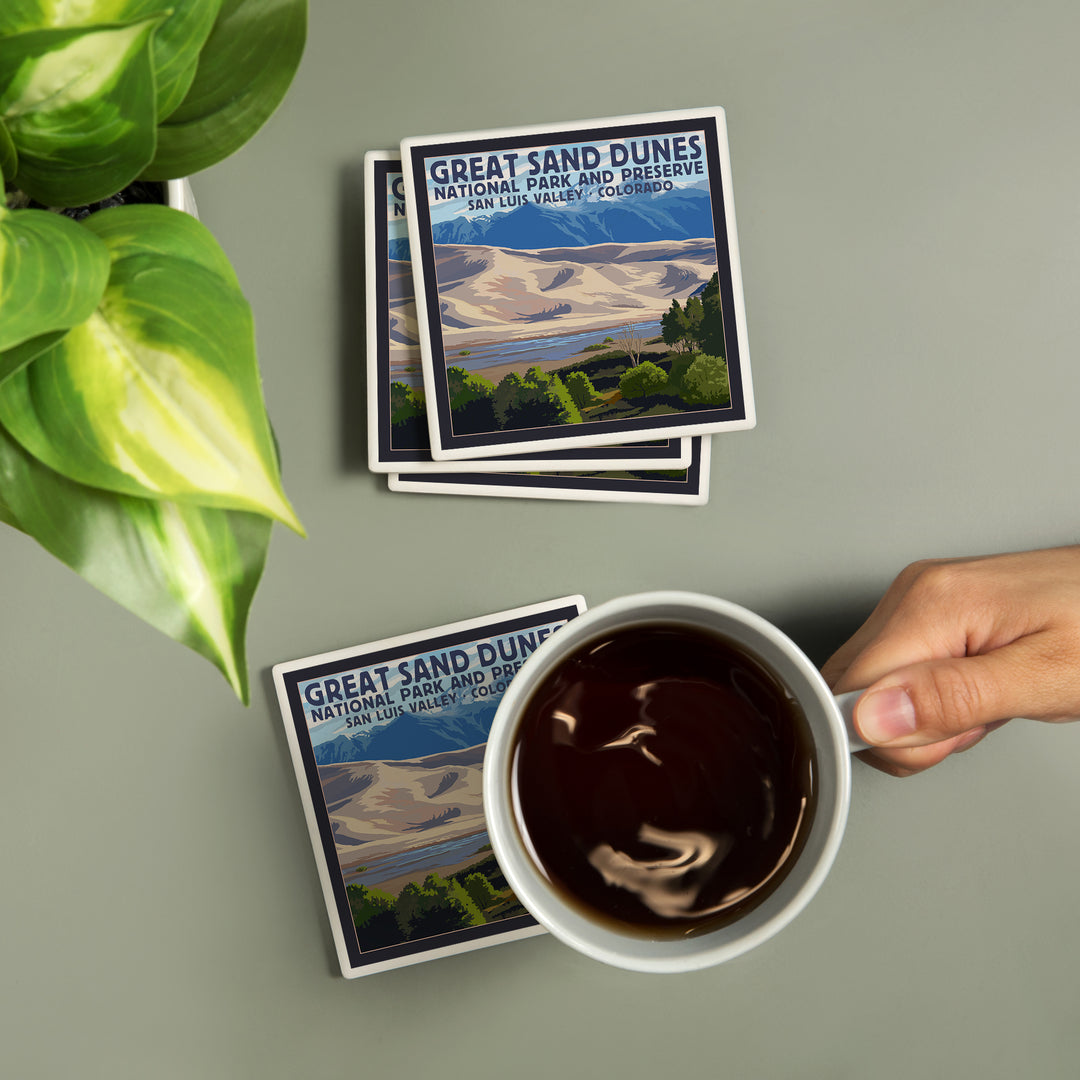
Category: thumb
<point>939,699</point>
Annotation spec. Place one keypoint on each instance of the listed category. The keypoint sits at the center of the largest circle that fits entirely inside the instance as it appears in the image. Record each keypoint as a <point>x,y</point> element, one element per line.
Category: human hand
<point>956,648</point>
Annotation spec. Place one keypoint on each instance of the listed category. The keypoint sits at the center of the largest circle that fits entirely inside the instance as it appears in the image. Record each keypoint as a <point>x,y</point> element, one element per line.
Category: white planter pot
<point>178,194</point>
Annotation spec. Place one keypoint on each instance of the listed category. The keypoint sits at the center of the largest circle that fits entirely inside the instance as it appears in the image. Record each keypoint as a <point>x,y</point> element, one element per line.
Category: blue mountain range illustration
<point>673,215</point>
<point>412,735</point>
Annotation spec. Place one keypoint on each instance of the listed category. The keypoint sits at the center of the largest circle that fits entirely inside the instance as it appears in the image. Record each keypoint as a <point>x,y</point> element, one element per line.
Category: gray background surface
<point>906,194</point>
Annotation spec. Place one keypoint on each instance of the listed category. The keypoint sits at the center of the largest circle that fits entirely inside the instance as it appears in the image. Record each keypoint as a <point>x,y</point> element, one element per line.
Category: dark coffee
<point>663,779</point>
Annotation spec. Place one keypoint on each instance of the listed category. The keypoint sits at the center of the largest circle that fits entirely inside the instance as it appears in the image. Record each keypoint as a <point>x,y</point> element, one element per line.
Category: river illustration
<point>528,351</point>
<point>418,862</point>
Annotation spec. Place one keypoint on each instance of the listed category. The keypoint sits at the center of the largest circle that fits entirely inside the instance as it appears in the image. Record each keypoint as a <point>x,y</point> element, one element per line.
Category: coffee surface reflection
<point>663,779</point>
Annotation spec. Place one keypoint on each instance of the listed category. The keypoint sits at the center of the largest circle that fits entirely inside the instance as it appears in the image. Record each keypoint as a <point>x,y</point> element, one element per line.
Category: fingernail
<point>886,715</point>
<point>970,738</point>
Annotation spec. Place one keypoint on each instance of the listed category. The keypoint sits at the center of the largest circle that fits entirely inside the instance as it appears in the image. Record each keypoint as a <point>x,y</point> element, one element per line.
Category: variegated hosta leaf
<point>79,106</point>
<point>19,15</point>
<point>175,48</point>
<point>52,275</point>
<point>149,229</point>
<point>190,571</point>
<point>157,394</point>
<point>245,68</point>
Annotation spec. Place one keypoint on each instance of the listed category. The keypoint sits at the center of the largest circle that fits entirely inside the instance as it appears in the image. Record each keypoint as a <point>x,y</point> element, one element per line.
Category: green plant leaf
<point>19,15</point>
<point>157,394</point>
<point>17,357</point>
<point>7,515</point>
<point>147,229</point>
<point>53,273</point>
<point>9,158</point>
<point>176,44</point>
<point>245,68</point>
<point>189,571</point>
<point>79,106</point>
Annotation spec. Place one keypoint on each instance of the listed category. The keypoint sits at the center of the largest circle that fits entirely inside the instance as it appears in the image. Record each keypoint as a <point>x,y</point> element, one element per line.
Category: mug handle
<point>846,704</point>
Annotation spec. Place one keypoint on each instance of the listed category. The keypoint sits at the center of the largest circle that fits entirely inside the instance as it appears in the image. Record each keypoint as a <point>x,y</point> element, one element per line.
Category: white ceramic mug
<point>834,740</point>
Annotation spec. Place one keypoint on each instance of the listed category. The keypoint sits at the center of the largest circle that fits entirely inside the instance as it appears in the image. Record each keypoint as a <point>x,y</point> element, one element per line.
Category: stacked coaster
<point>557,311</point>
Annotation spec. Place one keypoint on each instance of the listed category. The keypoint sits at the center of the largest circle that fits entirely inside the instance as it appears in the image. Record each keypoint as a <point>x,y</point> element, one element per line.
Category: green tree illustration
<point>373,915</point>
<point>480,890</point>
<point>435,907</point>
<point>537,399</point>
<point>642,381</point>
<point>582,390</point>
<point>675,327</point>
<point>472,400</point>
<point>712,323</point>
<point>406,404</point>
<point>699,326</point>
<point>706,381</point>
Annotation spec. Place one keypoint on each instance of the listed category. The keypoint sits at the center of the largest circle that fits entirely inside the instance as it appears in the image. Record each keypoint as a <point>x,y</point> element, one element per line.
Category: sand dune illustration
<point>404,332</point>
<point>488,292</point>
<point>381,807</point>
